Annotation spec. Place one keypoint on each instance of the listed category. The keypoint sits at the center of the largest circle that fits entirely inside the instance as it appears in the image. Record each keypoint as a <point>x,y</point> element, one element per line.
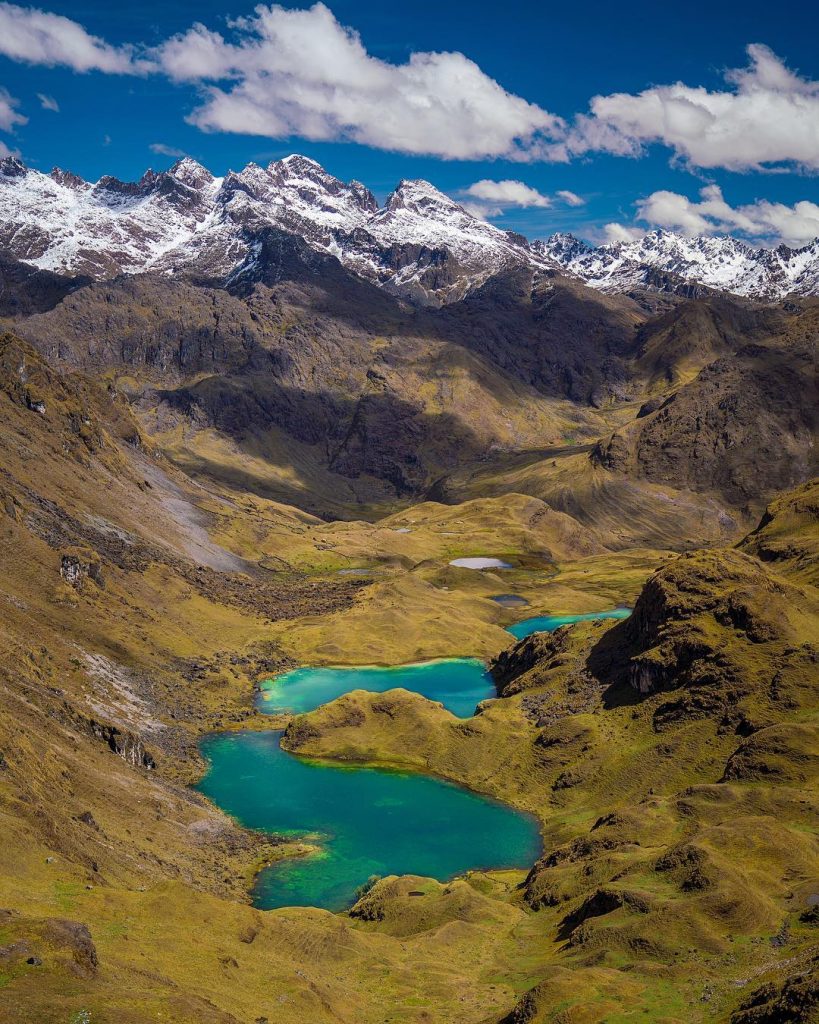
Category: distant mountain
<point>421,244</point>
<point>722,263</point>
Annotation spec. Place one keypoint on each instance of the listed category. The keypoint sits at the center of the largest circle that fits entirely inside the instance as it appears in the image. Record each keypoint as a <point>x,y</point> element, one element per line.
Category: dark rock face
<point>124,744</point>
<point>76,939</point>
<point>743,427</point>
<point>793,1001</point>
<point>25,290</point>
<point>77,567</point>
<point>522,657</point>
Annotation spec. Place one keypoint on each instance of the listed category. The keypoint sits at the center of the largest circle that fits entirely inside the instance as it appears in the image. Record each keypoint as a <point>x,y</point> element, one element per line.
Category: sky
<point>601,119</point>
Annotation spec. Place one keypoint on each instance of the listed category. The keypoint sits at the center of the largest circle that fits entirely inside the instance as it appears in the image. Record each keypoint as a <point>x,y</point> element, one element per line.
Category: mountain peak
<point>296,160</point>
<point>12,167</point>
<point>416,194</point>
<point>67,178</point>
<point>191,172</point>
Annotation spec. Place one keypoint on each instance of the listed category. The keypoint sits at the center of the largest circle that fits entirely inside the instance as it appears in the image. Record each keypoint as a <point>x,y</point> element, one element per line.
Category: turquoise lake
<point>368,821</point>
<point>459,683</point>
<point>549,623</point>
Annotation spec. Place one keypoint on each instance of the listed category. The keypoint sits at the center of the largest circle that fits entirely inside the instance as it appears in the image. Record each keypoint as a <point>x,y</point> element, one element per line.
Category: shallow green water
<point>549,623</point>
<point>459,683</point>
<point>369,821</point>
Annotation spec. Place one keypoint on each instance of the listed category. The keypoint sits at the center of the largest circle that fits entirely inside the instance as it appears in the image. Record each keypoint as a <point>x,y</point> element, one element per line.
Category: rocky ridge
<point>420,245</point>
<point>719,262</point>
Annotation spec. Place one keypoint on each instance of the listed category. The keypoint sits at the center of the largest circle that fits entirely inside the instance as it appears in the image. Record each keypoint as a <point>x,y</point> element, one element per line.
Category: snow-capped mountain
<point>421,244</point>
<point>719,262</point>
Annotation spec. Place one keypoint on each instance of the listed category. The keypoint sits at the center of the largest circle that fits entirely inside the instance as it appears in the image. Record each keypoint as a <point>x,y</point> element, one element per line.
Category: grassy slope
<point>109,868</point>
<point>647,799</point>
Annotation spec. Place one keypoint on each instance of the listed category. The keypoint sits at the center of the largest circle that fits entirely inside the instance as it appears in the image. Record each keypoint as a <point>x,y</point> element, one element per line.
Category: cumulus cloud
<point>48,102</point>
<point>767,118</point>
<point>795,225</point>
<point>488,198</point>
<point>40,37</point>
<point>300,72</point>
<point>163,150</point>
<point>507,193</point>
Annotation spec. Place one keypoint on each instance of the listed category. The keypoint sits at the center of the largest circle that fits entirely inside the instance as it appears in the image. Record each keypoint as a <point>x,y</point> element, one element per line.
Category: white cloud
<point>507,193</point>
<point>570,198</point>
<point>300,72</point>
<point>48,102</point>
<point>9,114</point>
<point>621,233</point>
<point>487,199</point>
<point>40,37</point>
<point>163,150</point>
<point>768,118</point>
<point>795,225</point>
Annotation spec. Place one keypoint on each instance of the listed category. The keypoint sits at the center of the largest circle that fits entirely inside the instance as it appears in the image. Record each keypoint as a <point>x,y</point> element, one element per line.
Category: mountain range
<point>420,245</point>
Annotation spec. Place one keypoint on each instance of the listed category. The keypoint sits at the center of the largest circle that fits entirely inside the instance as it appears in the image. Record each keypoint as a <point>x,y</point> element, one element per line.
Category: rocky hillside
<point>745,424</point>
<point>393,399</point>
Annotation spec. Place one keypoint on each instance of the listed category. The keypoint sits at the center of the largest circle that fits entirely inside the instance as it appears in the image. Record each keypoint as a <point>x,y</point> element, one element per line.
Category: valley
<point>405,631</point>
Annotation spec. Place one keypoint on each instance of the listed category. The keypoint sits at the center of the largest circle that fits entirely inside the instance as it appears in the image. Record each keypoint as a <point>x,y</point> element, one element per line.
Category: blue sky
<point>757,159</point>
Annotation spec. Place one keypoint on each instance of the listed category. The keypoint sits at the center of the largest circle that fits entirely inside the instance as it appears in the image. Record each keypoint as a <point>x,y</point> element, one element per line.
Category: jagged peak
<point>191,172</point>
<point>562,243</point>
<point>12,167</point>
<point>296,167</point>
<point>298,160</point>
<point>412,193</point>
<point>67,178</point>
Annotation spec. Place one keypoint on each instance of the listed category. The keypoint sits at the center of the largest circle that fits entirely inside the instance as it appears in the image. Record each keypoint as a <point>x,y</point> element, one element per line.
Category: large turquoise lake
<point>368,821</point>
<point>459,683</point>
<point>549,623</point>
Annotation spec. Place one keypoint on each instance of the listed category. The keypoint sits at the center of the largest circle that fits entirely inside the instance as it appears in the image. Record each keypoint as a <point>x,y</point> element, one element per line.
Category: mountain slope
<point>743,427</point>
<point>299,347</point>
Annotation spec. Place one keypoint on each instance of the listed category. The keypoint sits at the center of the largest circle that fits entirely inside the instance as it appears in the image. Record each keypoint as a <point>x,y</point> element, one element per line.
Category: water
<point>459,683</point>
<point>368,821</point>
<point>549,623</point>
<point>509,600</point>
<point>481,563</point>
